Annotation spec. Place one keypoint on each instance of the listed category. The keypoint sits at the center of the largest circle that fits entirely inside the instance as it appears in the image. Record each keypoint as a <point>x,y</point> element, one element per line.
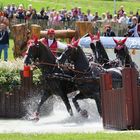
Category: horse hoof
<point>36,117</point>
<point>71,112</point>
<point>84,113</point>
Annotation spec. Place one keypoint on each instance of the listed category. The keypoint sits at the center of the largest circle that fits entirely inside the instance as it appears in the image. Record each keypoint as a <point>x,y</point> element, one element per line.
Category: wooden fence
<point>11,103</point>
<point>119,29</point>
<point>121,107</point>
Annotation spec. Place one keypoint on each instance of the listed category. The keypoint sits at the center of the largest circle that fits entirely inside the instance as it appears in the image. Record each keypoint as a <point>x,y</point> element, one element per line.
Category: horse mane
<point>81,62</point>
<point>102,52</point>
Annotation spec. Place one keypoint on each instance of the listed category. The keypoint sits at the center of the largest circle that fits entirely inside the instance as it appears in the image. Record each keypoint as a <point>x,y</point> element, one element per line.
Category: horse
<point>87,76</point>
<point>122,53</point>
<point>100,54</point>
<point>46,61</point>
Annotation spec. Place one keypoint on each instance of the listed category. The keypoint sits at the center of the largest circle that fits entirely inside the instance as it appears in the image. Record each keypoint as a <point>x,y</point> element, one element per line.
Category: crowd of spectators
<point>14,13</point>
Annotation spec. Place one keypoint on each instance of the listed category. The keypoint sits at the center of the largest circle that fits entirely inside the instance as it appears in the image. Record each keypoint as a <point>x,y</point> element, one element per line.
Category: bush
<point>10,75</point>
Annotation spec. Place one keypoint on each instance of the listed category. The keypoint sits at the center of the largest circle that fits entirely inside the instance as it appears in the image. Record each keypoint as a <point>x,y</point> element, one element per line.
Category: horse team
<point>73,71</point>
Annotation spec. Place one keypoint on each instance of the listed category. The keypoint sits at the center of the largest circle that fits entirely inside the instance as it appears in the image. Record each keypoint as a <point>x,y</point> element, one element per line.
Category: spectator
<point>75,13</point>
<point>65,18</point>
<point>20,12</point>
<point>89,15</point>
<point>96,17</point>
<point>103,18</point>
<point>81,16</point>
<point>124,19</point>
<point>57,18</point>
<point>4,41</point>
<point>108,31</point>
<point>108,17</point>
<point>30,8</point>
<point>130,19</point>
<point>14,20</point>
<point>13,8</point>
<point>4,20</point>
<point>121,11</point>
<point>134,29</point>
<point>42,12</point>
<point>85,18</point>
<point>115,20</point>
<point>34,15</point>
<point>79,11</point>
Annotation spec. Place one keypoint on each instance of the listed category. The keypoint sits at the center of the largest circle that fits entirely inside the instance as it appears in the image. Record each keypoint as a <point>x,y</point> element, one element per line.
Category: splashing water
<point>57,119</point>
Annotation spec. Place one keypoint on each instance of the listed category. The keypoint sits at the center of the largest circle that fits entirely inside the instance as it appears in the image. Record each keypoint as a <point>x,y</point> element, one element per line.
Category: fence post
<point>106,84</point>
<point>136,99</point>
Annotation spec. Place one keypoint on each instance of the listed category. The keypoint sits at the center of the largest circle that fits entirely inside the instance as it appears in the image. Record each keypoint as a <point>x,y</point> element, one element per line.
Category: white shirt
<point>50,41</point>
<point>124,20</point>
<point>60,45</point>
<point>135,34</point>
<point>90,17</point>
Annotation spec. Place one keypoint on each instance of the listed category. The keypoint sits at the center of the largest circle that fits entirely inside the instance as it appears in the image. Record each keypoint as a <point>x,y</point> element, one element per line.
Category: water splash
<point>58,120</point>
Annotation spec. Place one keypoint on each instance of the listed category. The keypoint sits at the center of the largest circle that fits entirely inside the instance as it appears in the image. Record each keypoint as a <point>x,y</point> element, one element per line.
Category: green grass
<point>96,136</point>
<point>95,5</point>
<point>10,51</point>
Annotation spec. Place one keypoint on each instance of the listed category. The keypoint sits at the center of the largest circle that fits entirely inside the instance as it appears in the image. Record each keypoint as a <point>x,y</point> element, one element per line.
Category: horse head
<point>75,55</point>
<point>38,52</point>
<point>121,51</point>
<point>32,52</point>
<point>98,49</point>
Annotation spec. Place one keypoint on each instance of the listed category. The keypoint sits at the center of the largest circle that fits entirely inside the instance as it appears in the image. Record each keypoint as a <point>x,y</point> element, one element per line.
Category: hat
<point>51,31</point>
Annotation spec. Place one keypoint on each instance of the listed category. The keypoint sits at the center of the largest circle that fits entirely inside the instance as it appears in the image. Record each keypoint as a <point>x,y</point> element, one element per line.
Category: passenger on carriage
<point>50,41</point>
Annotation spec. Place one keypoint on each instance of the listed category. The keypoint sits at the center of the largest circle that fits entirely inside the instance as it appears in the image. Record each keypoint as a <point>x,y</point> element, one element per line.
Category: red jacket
<point>53,46</point>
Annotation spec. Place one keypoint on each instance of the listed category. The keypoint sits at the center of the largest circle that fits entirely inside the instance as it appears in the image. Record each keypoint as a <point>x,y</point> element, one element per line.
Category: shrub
<point>10,75</point>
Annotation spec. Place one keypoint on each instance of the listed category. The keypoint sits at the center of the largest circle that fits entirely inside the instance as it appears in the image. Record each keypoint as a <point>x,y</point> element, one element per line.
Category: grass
<point>95,5</point>
<point>10,51</point>
<point>76,136</point>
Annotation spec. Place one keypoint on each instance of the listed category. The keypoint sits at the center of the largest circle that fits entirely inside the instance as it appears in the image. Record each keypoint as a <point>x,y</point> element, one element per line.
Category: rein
<point>63,66</point>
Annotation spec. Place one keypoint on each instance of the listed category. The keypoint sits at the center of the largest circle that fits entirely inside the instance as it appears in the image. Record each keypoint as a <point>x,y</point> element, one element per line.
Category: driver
<point>50,41</point>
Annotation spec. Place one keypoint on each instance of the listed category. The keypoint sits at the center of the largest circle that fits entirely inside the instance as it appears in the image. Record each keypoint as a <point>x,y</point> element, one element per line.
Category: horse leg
<point>67,104</point>
<point>84,112</point>
<point>98,103</point>
<point>43,99</point>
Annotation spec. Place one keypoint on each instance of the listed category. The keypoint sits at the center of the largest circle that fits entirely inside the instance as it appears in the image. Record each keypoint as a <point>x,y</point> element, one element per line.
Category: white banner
<point>131,42</point>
